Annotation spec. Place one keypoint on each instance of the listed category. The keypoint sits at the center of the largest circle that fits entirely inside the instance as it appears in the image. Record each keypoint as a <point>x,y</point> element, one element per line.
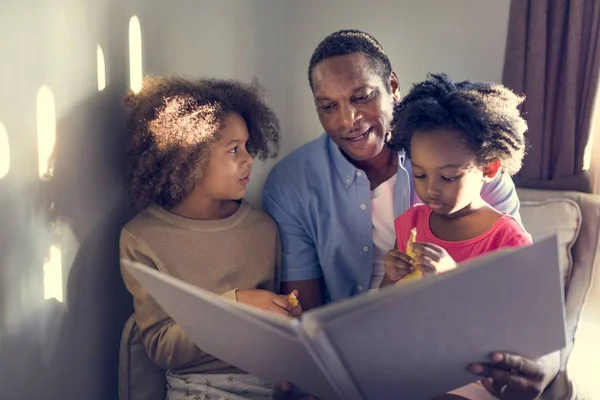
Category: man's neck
<point>379,168</point>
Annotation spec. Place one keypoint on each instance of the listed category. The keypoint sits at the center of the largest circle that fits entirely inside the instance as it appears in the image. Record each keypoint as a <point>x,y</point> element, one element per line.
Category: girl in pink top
<point>504,232</point>
<point>458,136</point>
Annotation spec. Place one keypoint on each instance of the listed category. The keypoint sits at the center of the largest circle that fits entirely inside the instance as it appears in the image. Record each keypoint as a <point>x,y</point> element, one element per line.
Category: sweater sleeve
<point>165,341</point>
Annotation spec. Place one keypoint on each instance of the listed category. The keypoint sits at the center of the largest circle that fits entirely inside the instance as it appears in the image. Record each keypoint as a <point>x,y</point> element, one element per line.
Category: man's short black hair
<point>350,41</point>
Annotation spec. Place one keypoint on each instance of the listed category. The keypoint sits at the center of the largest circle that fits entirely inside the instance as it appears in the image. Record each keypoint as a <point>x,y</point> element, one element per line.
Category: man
<point>321,194</point>
<point>335,198</point>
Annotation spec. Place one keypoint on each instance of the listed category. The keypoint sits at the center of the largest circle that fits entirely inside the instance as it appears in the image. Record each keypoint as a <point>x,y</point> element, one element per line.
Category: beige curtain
<point>553,57</point>
<point>592,156</point>
<point>595,168</point>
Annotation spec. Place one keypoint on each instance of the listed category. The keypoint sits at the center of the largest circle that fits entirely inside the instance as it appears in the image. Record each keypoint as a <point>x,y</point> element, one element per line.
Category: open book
<point>412,341</point>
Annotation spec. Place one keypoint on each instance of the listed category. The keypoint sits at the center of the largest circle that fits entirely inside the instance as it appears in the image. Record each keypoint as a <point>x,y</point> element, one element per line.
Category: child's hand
<point>295,303</point>
<point>431,258</point>
<point>265,300</point>
<point>397,265</point>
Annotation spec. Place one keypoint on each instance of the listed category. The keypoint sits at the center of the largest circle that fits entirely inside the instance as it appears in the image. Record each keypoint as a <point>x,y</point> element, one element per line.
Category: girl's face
<point>227,172</point>
<point>447,178</point>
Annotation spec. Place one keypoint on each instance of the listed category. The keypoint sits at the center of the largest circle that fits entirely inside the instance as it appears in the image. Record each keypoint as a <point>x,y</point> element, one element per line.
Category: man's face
<point>354,104</point>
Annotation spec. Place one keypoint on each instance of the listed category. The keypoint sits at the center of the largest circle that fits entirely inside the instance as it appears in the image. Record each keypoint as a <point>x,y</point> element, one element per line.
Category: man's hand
<point>511,376</point>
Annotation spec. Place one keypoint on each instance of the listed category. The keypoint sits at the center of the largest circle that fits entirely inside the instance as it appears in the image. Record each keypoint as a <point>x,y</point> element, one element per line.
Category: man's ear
<point>395,86</point>
<point>491,170</point>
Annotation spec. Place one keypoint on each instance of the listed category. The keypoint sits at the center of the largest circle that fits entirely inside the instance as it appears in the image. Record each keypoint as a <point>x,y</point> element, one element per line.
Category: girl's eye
<point>234,150</point>
<point>419,176</point>
<point>452,179</point>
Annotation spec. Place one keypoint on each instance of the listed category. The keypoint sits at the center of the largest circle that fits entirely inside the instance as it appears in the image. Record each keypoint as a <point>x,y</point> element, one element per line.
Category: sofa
<point>576,219</point>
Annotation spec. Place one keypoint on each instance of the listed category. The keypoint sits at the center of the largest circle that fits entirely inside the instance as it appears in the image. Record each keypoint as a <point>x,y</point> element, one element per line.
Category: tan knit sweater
<point>239,252</point>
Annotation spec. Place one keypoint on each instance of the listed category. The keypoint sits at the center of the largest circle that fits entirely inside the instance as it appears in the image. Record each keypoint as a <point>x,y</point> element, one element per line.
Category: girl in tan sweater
<point>190,148</point>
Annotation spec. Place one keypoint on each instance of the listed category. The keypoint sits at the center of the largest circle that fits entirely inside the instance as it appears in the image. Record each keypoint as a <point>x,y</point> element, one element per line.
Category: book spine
<point>322,350</point>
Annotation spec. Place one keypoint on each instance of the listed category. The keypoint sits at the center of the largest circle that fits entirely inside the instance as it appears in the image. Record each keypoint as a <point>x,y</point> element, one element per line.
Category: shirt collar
<point>345,169</point>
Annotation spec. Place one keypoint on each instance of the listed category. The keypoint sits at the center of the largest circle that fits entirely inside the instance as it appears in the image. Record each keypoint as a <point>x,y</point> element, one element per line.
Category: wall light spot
<point>46,130</point>
<point>135,54</point>
<point>101,68</point>
<point>4,152</point>
<point>53,288</point>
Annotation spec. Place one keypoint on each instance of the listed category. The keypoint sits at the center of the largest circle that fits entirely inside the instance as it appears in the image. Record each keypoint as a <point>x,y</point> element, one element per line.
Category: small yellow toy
<point>293,300</point>
<point>417,273</point>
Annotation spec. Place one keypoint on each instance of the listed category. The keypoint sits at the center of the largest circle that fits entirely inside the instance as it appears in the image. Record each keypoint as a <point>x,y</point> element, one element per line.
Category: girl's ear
<point>491,170</point>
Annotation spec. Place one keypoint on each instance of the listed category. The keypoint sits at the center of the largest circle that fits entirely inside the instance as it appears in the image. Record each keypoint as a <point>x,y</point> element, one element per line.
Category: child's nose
<point>433,188</point>
<point>249,159</point>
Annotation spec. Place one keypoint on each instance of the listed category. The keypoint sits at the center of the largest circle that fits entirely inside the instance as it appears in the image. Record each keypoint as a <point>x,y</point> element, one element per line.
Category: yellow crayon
<point>417,273</point>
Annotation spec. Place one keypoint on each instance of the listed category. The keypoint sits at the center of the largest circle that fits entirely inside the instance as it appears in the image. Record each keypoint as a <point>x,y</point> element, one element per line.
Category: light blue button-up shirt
<point>322,205</point>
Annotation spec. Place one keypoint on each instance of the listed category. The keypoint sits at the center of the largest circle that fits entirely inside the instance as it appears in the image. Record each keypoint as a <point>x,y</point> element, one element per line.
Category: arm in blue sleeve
<point>299,258</point>
<point>501,194</point>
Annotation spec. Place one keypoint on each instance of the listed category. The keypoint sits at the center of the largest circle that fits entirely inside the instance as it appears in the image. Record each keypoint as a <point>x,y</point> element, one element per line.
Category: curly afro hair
<point>350,41</point>
<point>486,114</point>
<point>171,125</point>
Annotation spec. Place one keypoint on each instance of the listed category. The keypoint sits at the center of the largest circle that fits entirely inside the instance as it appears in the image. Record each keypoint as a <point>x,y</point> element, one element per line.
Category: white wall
<point>70,349</point>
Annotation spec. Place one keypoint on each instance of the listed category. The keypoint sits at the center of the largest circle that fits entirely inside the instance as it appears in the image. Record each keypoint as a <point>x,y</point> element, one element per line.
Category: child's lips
<point>245,180</point>
<point>435,205</point>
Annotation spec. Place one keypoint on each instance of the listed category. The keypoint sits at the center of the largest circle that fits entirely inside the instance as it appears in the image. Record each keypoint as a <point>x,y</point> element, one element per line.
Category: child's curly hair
<point>173,121</point>
<point>486,114</point>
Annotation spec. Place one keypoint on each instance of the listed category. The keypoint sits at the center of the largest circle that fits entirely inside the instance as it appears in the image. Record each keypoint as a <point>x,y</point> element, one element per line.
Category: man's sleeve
<point>501,194</point>
<point>299,258</point>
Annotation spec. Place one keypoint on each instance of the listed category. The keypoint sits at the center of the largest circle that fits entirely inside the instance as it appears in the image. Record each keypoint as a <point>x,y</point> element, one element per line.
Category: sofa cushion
<point>139,377</point>
<point>563,216</point>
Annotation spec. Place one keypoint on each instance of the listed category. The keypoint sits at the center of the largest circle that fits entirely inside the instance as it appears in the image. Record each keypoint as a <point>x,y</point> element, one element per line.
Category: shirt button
<point>360,288</point>
<point>359,173</point>
<point>365,248</point>
<point>363,206</point>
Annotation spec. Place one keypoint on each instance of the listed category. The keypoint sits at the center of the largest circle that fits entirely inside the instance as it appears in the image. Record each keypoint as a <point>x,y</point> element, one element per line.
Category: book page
<point>416,341</point>
<point>258,342</point>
